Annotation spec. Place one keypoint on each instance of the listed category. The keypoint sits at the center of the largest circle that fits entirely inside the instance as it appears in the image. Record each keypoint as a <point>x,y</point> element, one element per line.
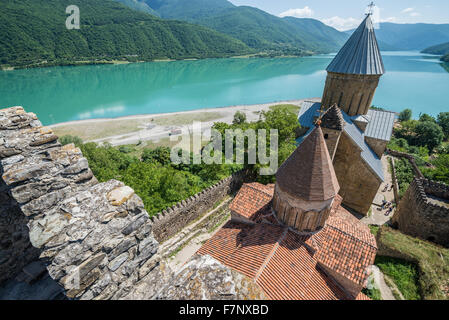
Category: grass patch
<point>374,229</point>
<point>290,107</point>
<point>432,263</point>
<point>373,293</point>
<point>404,274</point>
<point>219,223</point>
<point>99,130</point>
<point>187,118</point>
<point>103,129</point>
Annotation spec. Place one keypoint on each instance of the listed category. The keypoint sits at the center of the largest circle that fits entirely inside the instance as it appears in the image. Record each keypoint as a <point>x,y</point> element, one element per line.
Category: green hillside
<point>445,58</point>
<point>412,36</point>
<point>327,38</point>
<point>263,31</point>
<point>33,32</point>
<point>139,5</point>
<point>189,10</point>
<point>256,28</point>
<point>441,49</point>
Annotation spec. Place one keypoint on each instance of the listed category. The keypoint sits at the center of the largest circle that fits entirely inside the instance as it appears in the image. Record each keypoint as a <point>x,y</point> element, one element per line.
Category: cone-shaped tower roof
<point>308,173</point>
<point>360,54</point>
<point>333,119</point>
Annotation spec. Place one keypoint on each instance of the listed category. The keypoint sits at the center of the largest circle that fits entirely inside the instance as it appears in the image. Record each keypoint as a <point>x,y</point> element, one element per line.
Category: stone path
<point>177,250</point>
<point>380,283</point>
<point>377,216</point>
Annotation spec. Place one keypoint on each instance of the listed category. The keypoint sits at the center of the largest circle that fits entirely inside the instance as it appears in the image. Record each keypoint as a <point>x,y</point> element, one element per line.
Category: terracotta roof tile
<point>243,247</point>
<point>287,265</point>
<point>292,274</point>
<point>251,199</point>
<point>308,173</point>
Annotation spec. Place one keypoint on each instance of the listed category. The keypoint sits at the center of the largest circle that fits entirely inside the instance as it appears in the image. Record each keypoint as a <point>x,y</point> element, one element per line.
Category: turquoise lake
<point>60,94</point>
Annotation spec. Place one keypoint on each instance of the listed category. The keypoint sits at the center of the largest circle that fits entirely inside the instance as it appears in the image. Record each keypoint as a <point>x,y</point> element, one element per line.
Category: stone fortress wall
<point>424,211</point>
<point>172,220</point>
<point>94,240</point>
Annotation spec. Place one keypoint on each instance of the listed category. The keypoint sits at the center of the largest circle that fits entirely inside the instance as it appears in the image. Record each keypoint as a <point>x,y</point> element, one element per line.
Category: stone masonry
<point>424,211</point>
<point>64,235</point>
<point>352,93</point>
<point>94,240</point>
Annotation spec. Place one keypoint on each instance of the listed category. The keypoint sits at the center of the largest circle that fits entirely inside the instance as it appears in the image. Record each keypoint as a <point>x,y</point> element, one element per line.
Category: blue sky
<point>346,14</point>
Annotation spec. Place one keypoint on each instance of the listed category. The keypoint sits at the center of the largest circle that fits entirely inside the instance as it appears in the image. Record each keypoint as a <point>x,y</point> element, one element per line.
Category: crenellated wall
<point>424,211</point>
<point>94,240</point>
<point>410,158</point>
<point>172,220</point>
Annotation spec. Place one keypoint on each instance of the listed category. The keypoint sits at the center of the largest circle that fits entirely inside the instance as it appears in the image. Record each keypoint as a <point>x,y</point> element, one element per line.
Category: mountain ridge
<point>33,33</point>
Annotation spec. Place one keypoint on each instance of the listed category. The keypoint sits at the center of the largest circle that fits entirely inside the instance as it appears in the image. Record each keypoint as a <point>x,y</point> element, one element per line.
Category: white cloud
<point>305,12</point>
<point>342,24</point>
<point>408,10</point>
<point>411,12</point>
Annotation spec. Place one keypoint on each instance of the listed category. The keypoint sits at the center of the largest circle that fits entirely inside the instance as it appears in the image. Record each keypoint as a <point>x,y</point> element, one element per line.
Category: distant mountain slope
<point>139,5</point>
<point>325,36</point>
<point>33,31</point>
<point>189,10</point>
<point>412,36</point>
<point>441,49</point>
<point>256,28</point>
<point>260,30</point>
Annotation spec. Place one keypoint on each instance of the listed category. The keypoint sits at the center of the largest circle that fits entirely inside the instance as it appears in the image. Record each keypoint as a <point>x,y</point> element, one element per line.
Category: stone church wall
<point>358,184</point>
<point>424,211</point>
<point>352,93</point>
<point>94,240</point>
<point>378,146</point>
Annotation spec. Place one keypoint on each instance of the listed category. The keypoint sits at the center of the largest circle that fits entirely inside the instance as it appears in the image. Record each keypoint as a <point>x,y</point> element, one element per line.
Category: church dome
<point>360,55</point>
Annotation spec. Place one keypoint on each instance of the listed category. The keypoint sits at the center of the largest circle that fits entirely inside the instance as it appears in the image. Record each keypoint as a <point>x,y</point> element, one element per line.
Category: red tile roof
<point>251,199</point>
<point>286,264</point>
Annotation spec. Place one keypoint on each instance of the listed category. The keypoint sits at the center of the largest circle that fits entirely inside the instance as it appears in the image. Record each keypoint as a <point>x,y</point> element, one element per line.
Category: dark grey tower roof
<point>360,54</point>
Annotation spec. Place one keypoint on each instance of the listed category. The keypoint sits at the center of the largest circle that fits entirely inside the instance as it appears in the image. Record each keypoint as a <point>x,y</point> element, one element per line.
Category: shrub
<point>405,115</point>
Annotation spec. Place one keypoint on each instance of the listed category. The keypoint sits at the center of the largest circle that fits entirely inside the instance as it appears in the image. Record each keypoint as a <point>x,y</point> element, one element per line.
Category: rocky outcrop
<point>93,240</point>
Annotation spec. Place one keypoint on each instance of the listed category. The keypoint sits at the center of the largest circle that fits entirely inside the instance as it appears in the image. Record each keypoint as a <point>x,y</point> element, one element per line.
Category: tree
<point>64,140</point>
<point>405,115</point>
<point>425,117</point>
<point>160,155</point>
<point>239,118</point>
<point>429,134</point>
<point>443,121</point>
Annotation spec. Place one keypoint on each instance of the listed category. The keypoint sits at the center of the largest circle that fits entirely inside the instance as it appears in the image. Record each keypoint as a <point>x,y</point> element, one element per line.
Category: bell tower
<point>306,185</point>
<point>353,75</point>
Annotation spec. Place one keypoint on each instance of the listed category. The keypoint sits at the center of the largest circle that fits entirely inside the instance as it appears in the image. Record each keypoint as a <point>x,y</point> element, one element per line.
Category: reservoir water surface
<point>58,94</point>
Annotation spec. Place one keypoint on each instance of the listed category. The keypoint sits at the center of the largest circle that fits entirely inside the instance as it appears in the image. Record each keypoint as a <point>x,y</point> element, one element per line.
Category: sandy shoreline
<point>154,127</point>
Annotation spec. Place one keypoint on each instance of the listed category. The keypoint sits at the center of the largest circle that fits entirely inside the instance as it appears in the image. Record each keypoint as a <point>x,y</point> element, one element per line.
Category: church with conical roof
<point>356,135</point>
<point>294,239</point>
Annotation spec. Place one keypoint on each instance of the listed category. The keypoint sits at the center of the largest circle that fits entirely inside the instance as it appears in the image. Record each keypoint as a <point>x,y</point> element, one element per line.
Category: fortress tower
<point>306,185</point>
<point>353,75</point>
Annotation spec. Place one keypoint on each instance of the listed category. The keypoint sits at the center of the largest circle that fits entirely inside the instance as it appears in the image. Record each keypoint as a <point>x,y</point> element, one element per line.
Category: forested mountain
<point>256,28</point>
<point>139,5</point>
<point>34,31</point>
<point>328,38</point>
<point>190,10</point>
<point>412,36</point>
<point>441,49</point>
